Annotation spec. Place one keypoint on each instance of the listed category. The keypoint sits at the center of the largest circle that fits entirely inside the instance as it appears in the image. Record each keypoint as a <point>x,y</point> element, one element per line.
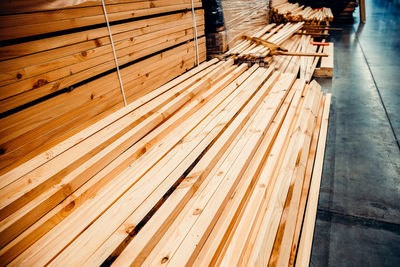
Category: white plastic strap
<point>113,49</point>
<point>196,43</point>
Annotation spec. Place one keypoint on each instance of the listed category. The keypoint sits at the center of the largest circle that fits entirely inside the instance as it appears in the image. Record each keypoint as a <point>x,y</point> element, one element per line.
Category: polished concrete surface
<point>358,219</point>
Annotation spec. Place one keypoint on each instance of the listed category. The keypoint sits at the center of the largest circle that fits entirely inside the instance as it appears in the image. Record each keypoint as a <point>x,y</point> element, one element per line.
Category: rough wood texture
<point>195,172</point>
<point>206,165</point>
<point>53,86</point>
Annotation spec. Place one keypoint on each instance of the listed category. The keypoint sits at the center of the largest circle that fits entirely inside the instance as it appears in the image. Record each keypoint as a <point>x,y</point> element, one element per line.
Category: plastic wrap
<point>243,16</point>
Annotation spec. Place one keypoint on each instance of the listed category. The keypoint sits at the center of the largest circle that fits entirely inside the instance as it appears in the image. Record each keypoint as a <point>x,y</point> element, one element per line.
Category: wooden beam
<point>363,17</point>
<point>326,67</point>
<point>54,26</point>
<point>281,53</point>
<point>304,252</point>
<point>37,123</point>
<point>36,87</point>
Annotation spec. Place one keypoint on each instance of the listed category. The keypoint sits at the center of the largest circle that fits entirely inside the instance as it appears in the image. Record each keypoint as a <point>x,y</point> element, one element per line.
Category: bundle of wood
<point>315,59</point>
<point>243,16</point>
<point>293,13</point>
<point>286,47</point>
<point>272,33</point>
<point>214,167</point>
<point>58,71</point>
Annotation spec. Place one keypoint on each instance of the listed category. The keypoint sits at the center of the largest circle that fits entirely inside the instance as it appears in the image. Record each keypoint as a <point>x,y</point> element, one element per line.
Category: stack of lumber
<point>58,72</point>
<point>243,16</point>
<point>309,64</point>
<point>218,166</point>
<point>304,65</point>
<point>253,47</point>
<point>286,47</point>
<point>294,13</point>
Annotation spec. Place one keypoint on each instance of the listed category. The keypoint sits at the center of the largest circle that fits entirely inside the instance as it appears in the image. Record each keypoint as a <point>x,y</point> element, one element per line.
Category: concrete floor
<point>358,219</point>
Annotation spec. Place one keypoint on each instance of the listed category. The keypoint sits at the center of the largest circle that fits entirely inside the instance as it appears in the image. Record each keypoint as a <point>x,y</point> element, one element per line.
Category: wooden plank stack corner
<point>217,164</point>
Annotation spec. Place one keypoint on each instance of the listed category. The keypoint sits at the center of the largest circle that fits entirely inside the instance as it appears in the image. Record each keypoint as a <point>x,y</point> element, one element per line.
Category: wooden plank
<point>98,82</point>
<point>83,118</point>
<point>53,152</point>
<point>34,88</point>
<point>39,63</point>
<point>306,185</point>
<point>24,6</point>
<point>287,225</point>
<point>304,252</point>
<point>168,251</point>
<point>148,236</point>
<point>151,83</point>
<point>83,194</point>
<point>293,164</point>
<point>274,103</point>
<point>137,168</point>
<point>363,17</point>
<point>101,83</point>
<point>54,26</point>
<point>74,176</point>
<point>281,53</point>
<point>156,227</point>
<point>310,72</point>
<point>126,190</point>
<point>234,249</point>
<point>164,251</point>
<point>79,170</point>
<point>7,21</point>
<point>67,157</point>
<point>197,142</point>
<point>61,104</point>
<point>68,206</point>
<point>66,44</point>
<point>219,236</point>
<point>326,68</point>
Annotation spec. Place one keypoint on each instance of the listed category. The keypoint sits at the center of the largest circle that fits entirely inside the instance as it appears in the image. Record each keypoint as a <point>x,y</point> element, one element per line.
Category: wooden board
<point>40,122</point>
<point>326,67</point>
<point>211,168</point>
<point>48,26</point>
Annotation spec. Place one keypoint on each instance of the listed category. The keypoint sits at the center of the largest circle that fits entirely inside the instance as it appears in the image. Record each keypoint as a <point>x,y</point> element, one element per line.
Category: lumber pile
<point>58,72</point>
<point>212,168</point>
<point>288,48</point>
<point>257,45</point>
<point>288,12</point>
<point>244,16</point>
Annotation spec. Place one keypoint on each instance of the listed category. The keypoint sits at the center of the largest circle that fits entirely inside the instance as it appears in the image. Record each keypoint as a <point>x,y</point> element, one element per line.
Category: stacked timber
<point>219,166</point>
<point>244,16</point>
<point>288,12</point>
<point>310,59</point>
<point>58,71</point>
<point>288,48</point>
<point>256,46</point>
